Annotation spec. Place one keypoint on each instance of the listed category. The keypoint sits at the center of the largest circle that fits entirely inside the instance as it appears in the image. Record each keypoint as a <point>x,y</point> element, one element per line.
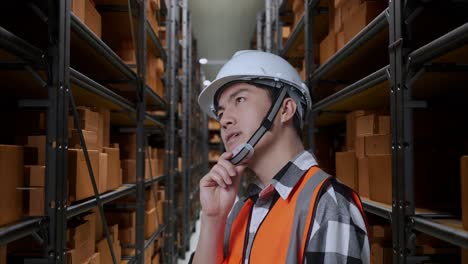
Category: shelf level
<point>21,229</point>
<point>448,230</point>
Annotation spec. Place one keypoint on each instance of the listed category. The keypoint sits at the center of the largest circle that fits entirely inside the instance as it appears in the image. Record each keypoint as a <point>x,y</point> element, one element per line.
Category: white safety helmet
<point>253,65</point>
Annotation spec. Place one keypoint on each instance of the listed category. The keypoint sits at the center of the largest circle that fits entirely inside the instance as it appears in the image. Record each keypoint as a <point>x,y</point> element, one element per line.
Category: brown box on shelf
<point>127,235</point>
<point>89,119</point>
<point>11,175</point>
<point>81,254</point>
<point>99,228</point>
<point>78,8</point>
<point>114,232</point>
<point>114,178</point>
<point>93,18</point>
<point>30,156</point>
<point>91,218</point>
<point>327,47</point>
<point>121,217</point>
<point>78,233</point>
<point>151,222</point>
<point>103,172</point>
<point>34,176</point>
<point>337,21</point>
<point>340,40</point>
<point>381,253</point>
<point>464,190</point>
<point>346,168</point>
<point>156,259</point>
<point>90,137</point>
<point>79,182</point>
<point>377,145</point>
<point>349,8</point>
<point>384,125</point>
<point>380,178</point>
<point>94,259</point>
<point>127,144</point>
<point>360,147</point>
<point>360,17</point>
<point>104,252</point>
<point>34,199</point>
<point>367,125</point>
<point>160,211</point>
<point>351,127</point>
<point>38,142</point>
<point>380,234</point>
<point>151,9</point>
<point>363,177</point>
<point>103,130</point>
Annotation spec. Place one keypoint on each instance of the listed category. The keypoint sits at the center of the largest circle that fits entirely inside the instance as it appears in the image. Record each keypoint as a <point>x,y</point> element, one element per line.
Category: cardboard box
<point>80,186</point>
<point>127,143</point>
<point>11,176</point>
<point>114,232</point>
<point>360,147</point>
<point>384,125</point>
<point>127,235</point>
<point>114,178</point>
<point>381,234</point>
<point>327,47</point>
<point>381,254</point>
<point>129,170</point>
<point>104,252</point>
<point>103,131</point>
<point>378,145</point>
<point>90,137</point>
<point>3,254</point>
<point>123,218</point>
<point>337,21</point>
<point>346,168</point>
<point>351,127</point>
<point>93,18</point>
<point>38,142</point>
<point>340,40</point>
<point>99,228</point>
<point>103,172</point>
<point>78,233</point>
<point>360,17</point>
<point>349,8</point>
<point>363,177</point>
<point>160,211</point>
<point>156,259</point>
<point>35,199</point>
<point>95,259</point>
<point>464,190</point>
<point>149,253</point>
<point>366,125</point>
<point>93,224</point>
<point>34,176</point>
<point>78,8</point>
<point>380,178</point>
<point>89,119</point>
<point>150,222</point>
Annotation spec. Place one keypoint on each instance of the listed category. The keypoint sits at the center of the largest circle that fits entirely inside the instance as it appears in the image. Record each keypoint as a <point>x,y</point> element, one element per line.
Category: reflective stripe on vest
<point>285,228</point>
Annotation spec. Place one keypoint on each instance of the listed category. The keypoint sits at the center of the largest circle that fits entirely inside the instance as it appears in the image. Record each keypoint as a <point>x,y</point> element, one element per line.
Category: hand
<point>218,188</point>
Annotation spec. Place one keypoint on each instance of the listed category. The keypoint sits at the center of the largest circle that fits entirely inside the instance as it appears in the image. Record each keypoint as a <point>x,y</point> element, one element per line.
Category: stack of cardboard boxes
<point>298,10</point>
<point>86,11</point>
<point>366,165</point>
<point>105,160</point>
<point>154,163</point>
<point>380,239</point>
<point>346,19</point>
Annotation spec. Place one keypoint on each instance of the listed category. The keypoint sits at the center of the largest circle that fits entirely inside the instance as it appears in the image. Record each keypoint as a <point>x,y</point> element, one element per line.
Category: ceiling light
<point>206,82</point>
<point>203,61</point>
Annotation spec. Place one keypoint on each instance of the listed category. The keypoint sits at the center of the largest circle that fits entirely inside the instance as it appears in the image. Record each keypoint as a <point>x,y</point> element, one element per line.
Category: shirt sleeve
<point>339,233</point>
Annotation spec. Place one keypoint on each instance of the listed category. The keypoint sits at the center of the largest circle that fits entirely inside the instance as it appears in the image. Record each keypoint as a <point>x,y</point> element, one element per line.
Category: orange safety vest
<point>282,236</point>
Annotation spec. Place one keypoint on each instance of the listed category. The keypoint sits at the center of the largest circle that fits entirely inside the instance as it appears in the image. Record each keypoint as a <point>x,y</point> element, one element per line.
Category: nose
<point>227,119</point>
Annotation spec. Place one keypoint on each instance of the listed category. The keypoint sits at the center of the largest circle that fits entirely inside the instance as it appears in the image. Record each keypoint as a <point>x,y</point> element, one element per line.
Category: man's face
<point>241,109</point>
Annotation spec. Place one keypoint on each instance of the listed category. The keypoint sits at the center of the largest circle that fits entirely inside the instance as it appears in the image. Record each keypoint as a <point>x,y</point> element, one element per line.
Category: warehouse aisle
<point>193,243</point>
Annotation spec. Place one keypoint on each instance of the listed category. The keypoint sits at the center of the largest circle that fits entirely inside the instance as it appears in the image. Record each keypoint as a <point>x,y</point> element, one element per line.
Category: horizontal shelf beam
<point>156,41</point>
<point>377,209</point>
<point>19,230</point>
<point>19,47</point>
<point>449,234</point>
<point>355,88</point>
<point>149,182</point>
<point>75,210</point>
<point>452,40</point>
<point>294,35</point>
<point>84,32</point>
<point>372,29</point>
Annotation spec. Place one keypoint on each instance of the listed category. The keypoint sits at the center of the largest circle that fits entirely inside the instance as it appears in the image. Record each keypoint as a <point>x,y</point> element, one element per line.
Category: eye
<point>240,99</point>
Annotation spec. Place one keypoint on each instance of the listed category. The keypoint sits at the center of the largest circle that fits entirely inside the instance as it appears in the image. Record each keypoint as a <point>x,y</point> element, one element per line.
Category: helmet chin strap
<point>245,150</point>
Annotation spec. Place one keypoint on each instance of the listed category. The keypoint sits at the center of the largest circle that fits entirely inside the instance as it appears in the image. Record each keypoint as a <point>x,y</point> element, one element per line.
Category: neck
<point>270,159</point>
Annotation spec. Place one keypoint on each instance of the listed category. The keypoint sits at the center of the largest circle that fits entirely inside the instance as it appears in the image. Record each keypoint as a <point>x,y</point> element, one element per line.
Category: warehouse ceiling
<point>222,27</point>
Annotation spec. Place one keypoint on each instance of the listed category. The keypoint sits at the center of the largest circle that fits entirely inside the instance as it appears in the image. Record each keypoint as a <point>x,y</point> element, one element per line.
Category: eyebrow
<point>234,94</point>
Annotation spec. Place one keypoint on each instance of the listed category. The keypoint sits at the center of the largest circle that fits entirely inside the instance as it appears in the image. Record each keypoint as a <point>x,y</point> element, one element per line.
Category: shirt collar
<point>285,180</point>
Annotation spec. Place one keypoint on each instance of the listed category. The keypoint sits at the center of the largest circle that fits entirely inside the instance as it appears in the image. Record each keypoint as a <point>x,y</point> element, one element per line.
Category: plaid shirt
<point>339,233</point>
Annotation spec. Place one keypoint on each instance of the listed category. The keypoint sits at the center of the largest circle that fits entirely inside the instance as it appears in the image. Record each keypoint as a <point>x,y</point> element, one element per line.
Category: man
<point>295,213</point>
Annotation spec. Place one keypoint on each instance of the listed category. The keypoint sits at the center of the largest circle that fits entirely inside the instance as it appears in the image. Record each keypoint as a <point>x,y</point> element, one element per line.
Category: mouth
<point>232,138</point>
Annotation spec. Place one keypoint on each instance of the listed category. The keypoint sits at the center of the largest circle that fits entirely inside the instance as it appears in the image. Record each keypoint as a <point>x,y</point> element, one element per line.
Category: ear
<point>288,109</point>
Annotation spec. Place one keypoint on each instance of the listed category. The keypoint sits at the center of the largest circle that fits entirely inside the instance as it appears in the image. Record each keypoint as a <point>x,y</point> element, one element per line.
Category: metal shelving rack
<point>390,83</point>
<point>49,67</point>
